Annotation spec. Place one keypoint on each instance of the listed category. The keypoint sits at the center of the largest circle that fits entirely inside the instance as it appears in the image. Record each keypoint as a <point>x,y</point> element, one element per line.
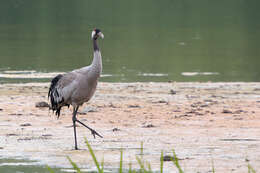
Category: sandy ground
<point>203,122</point>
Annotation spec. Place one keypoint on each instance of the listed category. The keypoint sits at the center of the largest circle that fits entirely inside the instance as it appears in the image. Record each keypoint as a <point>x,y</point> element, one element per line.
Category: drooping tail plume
<point>54,95</point>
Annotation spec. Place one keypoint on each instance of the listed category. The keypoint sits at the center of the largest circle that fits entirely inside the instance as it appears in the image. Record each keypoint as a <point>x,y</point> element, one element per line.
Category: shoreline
<point>201,121</point>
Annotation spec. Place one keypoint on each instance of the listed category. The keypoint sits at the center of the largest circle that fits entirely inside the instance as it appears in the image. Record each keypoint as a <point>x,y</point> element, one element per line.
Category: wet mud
<point>202,122</point>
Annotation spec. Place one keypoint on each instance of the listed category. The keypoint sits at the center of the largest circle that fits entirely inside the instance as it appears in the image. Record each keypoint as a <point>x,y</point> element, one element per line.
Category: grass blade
<point>161,165</point>
<point>75,167</point>
<point>213,167</point>
<point>130,168</point>
<point>140,162</point>
<point>149,167</point>
<point>142,149</point>
<point>49,169</point>
<point>93,156</point>
<point>121,161</point>
<point>250,169</point>
<point>102,165</point>
<point>176,162</point>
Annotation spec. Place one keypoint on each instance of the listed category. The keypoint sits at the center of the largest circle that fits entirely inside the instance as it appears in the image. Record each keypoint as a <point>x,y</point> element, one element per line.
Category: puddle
<point>199,73</point>
<point>11,165</point>
<point>247,140</point>
<point>153,74</point>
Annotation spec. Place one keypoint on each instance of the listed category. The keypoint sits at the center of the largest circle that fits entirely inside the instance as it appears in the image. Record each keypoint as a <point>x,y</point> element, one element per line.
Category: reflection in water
<point>142,37</point>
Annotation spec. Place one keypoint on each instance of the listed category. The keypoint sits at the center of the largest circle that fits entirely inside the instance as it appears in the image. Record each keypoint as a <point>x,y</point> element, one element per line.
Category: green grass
<point>145,167</point>
<point>100,170</point>
<point>75,167</point>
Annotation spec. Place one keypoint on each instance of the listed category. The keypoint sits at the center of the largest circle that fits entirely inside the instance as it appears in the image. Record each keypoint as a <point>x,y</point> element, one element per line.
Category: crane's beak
<point>101,35</point>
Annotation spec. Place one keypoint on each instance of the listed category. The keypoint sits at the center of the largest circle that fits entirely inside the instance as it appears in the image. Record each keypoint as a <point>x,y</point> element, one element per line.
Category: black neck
<point>95,45</point>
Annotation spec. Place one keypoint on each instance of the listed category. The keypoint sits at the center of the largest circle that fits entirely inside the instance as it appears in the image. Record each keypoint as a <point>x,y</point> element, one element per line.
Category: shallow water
<point>14,165</point>
<point>144,40</point>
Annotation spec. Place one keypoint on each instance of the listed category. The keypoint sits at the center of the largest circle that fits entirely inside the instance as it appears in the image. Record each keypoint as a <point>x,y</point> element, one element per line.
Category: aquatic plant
<point>145,167</point>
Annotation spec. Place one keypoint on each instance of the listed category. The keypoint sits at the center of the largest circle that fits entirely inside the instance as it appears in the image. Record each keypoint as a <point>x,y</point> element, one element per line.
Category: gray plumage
<point>77,87</point>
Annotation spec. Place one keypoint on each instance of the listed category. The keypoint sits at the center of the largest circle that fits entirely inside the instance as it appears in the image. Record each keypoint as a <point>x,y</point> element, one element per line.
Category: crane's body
<point>77,87</point>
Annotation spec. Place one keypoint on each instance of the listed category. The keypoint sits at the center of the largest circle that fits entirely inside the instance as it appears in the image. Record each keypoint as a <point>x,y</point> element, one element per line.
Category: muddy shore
<point>201,121</point>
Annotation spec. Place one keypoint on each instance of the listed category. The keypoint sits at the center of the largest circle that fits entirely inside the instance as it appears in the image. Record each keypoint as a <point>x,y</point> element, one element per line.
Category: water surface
<point>143,39</point>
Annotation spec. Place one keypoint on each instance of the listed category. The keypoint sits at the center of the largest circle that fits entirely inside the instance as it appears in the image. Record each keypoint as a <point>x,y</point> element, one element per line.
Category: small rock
<point>170,158</point>
<point>115,129</point>
<point>134,106</point>
<point>225,111</point>
<point>1,109</point>
<point>11,134</point>
<point>112,105</point>
<point>167,158</point>
<point>238,119</point>
<point>238,111</point>
<point>1,148</point>
<point>46,135</point>
<point>184,115</point>
<point>25,124</point>
<point>42,104</point>
<point>194,105</point>
<point>16,114</point>
<point>87,109</point>
<point>25,139</point>
<point>204,105</point>
<point>148,126</point>
<point>162,101</point>
<point>172,92</point>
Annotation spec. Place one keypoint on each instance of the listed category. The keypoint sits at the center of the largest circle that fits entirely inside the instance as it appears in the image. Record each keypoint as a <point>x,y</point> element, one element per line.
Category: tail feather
<point>54,95</point>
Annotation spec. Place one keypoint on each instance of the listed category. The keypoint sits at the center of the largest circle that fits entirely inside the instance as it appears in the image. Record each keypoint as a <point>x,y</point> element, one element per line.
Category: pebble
<point>87,109</point>
<point>134,106</point>
<point>172,92</point>
<point>162,101</point>
<point>112,105</point>
<point>238,111</point>
<point>148,126</point>
<point>25,124</point>
<point>41,104</point>
<point>11,134</point>
<point>225,111</point>
<point>46,135</point>
<point>238,119</point>
<point>115,129</point>
<point>167,158</point>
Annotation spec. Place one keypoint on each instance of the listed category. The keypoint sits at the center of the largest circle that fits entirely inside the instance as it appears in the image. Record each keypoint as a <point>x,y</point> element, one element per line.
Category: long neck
<point>95,45</point>
<point>96,65</point>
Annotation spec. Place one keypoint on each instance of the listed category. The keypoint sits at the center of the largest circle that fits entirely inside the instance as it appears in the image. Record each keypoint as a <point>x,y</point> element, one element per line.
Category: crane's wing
<point>60,90</point>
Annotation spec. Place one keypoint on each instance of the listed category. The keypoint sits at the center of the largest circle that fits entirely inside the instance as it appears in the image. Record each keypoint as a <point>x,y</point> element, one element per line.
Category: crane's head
<point>96,33</point>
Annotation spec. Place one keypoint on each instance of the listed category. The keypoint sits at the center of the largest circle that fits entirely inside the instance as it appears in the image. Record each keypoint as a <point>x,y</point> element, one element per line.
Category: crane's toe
<point>93,132</point>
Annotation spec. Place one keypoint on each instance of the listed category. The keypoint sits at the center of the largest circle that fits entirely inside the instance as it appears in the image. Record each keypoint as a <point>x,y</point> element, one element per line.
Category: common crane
<point>77,87</point>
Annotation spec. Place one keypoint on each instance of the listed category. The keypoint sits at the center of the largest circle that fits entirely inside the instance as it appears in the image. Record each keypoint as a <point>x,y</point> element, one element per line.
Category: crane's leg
<point>93,132</point>
<point>74,119</point>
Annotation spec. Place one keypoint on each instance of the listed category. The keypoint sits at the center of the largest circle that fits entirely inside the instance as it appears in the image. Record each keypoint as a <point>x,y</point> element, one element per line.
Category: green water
<point>145,40</point>
<point>24,166</point>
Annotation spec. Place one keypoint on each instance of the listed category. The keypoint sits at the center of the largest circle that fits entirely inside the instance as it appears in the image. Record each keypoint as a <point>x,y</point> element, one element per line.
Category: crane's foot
<point>93,132</point>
